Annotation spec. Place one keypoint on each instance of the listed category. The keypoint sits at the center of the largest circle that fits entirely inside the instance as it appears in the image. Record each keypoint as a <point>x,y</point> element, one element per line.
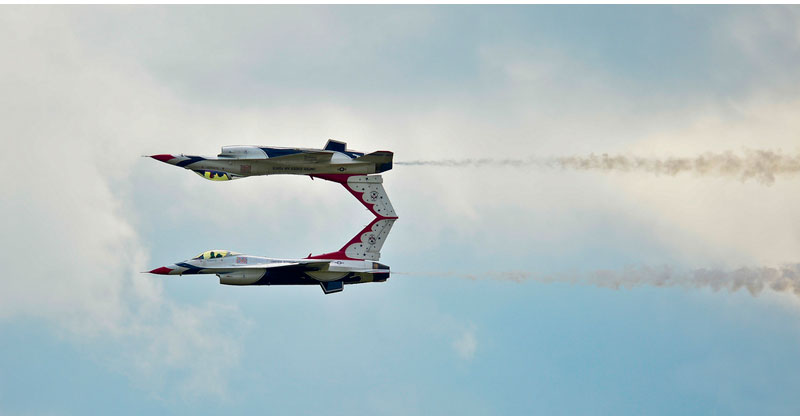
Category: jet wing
<point>299,266</point>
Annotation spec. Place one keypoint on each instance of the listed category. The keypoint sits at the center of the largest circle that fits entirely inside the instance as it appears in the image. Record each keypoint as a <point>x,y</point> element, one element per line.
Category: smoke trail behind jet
<point>761,165</point>
<point>785,279</point>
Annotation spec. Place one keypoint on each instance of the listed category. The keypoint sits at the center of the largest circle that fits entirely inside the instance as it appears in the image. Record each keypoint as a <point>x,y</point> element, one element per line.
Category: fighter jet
<point>243,161</point>
<point>356,262</point>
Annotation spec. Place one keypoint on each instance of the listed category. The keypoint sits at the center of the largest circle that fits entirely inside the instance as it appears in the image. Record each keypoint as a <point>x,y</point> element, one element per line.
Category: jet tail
<point>382,160</point>
<point>366,245</point>
<point>367,189</point>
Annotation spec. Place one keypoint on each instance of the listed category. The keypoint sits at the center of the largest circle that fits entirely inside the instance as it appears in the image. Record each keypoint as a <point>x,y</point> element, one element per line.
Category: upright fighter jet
<point>355,263</point>
<point>242,161</point>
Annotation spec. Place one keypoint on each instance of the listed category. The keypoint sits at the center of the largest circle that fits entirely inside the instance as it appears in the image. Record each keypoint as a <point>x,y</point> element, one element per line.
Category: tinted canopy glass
<point>214,253</point>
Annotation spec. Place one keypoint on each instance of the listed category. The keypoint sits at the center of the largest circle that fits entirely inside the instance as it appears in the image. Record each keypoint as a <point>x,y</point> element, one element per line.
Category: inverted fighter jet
<point>243,161</point>
<point>356,262</point>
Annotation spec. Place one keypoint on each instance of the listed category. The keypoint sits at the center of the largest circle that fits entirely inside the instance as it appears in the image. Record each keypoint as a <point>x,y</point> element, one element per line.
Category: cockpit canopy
<point>214,253</point>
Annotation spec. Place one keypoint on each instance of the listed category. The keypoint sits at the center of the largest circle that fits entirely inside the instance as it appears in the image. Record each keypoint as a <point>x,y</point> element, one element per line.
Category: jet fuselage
<point>243,161</point>
<point>247,270</point>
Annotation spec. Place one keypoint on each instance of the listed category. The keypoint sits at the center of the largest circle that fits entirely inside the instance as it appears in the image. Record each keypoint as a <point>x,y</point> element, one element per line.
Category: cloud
<point>766,41</point>
<point>466,344</point>
<point>73,124</point>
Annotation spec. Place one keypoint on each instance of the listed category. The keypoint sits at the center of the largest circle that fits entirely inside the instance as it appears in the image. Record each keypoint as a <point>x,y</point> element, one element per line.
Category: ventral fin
<point>332,286</point>
<point>335,145</point>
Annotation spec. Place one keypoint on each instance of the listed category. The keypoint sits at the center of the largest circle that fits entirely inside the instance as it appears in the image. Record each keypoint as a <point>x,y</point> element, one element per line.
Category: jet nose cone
<point>160,270</point>
<point>163,158</point>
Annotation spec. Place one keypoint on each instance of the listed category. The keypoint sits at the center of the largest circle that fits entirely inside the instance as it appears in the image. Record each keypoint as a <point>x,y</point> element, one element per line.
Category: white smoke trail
<point>785,278</point>
<point>761,165</point>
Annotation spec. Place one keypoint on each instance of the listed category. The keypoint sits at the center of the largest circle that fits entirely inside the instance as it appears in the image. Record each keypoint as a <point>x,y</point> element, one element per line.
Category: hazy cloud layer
<point>74,123</point>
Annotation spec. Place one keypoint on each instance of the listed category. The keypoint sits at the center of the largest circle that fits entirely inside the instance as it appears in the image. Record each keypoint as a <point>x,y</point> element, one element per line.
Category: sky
<point>87,90</point>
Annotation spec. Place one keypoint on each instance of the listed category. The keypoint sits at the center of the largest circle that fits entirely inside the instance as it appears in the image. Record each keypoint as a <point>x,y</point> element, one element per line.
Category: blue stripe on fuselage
<point>273,152</point>
<point>191,269</point>
<point>191,160</point>
<point>338,146</point>
<point>353,155</point>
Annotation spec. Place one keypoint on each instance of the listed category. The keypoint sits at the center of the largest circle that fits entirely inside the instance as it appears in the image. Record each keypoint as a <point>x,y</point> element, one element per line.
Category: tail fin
<point>367,189</point>
<point>366,245</point>
<point>382,160</point>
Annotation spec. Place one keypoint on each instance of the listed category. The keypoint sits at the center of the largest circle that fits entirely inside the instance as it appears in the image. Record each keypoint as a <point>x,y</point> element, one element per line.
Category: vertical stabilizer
<point>366,245</point>
<point>367,189</point>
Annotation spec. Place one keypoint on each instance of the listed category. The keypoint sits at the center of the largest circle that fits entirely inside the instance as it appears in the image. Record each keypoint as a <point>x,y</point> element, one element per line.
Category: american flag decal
<point>241,260</point>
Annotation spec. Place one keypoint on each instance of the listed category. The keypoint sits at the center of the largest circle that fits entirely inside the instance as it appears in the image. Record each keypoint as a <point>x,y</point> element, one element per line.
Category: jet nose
<point>163,158</point>
<point>162,270</point>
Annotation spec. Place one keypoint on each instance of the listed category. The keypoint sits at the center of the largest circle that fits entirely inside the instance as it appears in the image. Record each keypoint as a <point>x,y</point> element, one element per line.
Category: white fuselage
<point>241,269</point>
